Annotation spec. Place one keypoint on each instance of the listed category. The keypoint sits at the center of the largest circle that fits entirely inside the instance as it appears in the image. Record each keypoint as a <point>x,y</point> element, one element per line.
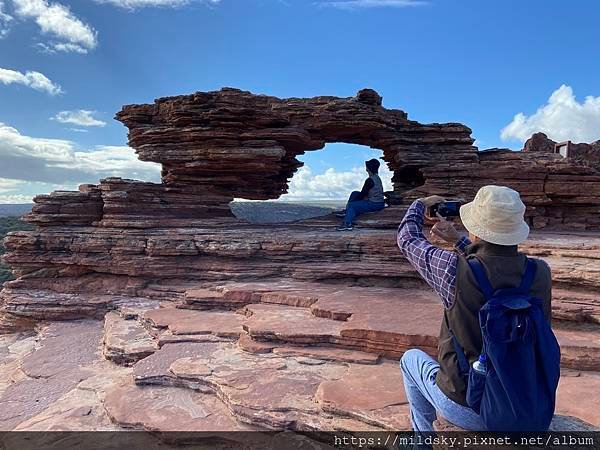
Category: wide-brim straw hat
<point>496,215</point>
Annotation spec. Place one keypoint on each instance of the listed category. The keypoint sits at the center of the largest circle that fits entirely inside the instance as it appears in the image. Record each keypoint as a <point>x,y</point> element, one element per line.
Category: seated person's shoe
<point>344,227</point>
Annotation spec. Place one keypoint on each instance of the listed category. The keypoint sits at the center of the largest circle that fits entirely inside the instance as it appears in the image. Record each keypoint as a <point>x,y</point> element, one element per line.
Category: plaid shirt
<point>436,265</point>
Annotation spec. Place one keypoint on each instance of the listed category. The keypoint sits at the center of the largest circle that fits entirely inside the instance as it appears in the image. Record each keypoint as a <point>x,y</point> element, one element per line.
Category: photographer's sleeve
<point>436,265</point>
<point>461,245</point>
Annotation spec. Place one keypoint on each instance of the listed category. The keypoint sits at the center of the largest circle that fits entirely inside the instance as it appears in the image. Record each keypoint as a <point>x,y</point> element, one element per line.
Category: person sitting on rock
<point>496,225</point>
<point>369,199</point>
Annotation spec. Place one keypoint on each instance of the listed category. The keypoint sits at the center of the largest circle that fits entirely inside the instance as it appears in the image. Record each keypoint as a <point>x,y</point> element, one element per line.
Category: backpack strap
<point>463,364</point>
<point>488,292</point>
<point>486,286</point>
<point>482,280</point>
<point>528,277</point>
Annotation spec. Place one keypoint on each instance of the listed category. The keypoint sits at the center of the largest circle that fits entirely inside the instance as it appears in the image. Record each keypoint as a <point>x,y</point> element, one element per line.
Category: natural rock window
<point>319,187</point>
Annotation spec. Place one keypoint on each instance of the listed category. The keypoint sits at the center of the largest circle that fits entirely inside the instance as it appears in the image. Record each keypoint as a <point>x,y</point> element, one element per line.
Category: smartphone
<point>445,209</point>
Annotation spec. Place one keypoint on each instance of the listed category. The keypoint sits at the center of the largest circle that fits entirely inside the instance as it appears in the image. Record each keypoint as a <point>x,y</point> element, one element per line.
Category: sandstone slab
<point>328,354</point>
<point>375,394</point>
<point>289,324</point>
<point>125,341</point>
<point>264,390</point>
<point>159,408</point>
<point>576,306</point>
<point>62,359</point>
<point>81,409</point>
<point>187,322</point>
<point>579,345</point>
<point>577,396</point>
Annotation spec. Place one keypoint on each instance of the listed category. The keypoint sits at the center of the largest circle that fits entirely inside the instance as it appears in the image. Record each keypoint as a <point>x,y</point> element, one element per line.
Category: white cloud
<point>360,4</point>
<point>58,47</point>
<point>7,185</point>
<point>8,192</point>
<point>562,118</point>
<point>59,162</point>
<point>34,80</point>
<point>58,21</point>
<point>115,160</point>
<point>19,191</point>
<point>134,4</point>
<point>331,185</point>
<point>5,21</point>
<point>16,198</point>
<point>81,117</point>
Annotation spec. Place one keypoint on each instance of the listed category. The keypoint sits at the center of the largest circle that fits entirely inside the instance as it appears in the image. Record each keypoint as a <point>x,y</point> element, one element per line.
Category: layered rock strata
<point>66,275</point>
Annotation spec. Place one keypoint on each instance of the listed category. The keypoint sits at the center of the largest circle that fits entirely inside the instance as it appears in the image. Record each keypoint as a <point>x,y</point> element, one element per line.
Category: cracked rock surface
<point>266,366</point>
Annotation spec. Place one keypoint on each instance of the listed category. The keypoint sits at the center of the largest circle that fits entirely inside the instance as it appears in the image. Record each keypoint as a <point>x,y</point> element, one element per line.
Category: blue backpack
<point>517,390</point>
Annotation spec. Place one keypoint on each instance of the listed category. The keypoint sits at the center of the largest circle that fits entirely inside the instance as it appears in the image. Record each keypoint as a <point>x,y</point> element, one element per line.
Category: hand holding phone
<point>430,201</point>
<point>447,208</point>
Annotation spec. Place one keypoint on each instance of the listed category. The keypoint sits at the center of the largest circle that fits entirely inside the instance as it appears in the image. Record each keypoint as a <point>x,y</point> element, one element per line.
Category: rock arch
<point>238,144</point>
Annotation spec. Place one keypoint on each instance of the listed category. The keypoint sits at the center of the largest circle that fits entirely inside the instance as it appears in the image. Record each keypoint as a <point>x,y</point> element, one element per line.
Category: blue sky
<point>67,66</point>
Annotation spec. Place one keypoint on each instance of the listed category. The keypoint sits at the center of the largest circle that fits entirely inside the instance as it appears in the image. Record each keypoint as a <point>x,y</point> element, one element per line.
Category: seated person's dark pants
<point>354,196</point>
<point>355,207</point>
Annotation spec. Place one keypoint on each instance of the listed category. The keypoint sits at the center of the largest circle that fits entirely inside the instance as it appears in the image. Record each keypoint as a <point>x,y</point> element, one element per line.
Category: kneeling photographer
<point>486,266</point>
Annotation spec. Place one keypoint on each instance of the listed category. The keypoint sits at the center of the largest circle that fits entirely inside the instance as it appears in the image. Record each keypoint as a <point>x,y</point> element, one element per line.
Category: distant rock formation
<point>539,142</point>
<point>587,154</point>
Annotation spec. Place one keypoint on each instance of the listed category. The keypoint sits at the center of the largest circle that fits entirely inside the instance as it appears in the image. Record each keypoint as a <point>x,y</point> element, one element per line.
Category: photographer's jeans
<point>356,207</point>
<point>425,398</point>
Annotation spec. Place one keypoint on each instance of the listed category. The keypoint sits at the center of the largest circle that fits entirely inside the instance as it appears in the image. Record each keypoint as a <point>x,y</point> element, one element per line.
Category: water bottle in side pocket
<point>480,364</point>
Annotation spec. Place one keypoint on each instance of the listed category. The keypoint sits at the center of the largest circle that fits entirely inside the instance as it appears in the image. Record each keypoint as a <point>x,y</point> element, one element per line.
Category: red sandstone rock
<point>577,396</point>
<point>579,345</point>
<point>370,393</point>
<point>325,394</point>
<point>271,391</point>
<point>125,341</point>
<point>539,142</point>
<point>65,354</point>
<point>219,145</point>
<point>191,368</point>
<point>576,306</point>
<point>80,409</point>
<point>67,208</point>
<point>246,343</point>
<point>158,408</point>
<point>186,322</point>
<point>327,354</point>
